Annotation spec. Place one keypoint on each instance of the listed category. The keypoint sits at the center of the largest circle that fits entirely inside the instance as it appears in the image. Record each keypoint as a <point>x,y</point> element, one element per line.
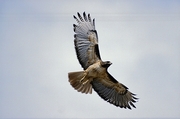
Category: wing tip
<point>112,96</point>
<point>86,17</point>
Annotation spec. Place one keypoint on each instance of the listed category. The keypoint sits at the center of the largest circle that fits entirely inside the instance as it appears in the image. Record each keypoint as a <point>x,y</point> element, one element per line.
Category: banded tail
<point>75,79</point>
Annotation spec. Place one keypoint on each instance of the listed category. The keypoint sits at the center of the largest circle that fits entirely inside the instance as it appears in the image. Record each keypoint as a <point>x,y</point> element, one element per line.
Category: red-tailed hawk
<point>95,74</point>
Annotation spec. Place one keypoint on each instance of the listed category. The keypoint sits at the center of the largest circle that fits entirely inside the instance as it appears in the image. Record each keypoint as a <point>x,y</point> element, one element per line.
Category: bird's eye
<point>108,62</point>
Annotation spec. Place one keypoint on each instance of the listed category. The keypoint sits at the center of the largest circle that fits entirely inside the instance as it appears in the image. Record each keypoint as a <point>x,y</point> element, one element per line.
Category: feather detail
<point>75,81</point>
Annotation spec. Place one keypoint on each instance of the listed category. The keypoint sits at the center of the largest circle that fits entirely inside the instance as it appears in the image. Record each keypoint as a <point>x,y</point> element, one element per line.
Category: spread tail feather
<point>76,83</point>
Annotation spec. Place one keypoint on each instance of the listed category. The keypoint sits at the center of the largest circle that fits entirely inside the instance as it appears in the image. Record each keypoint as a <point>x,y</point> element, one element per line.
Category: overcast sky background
<point>140,37</point>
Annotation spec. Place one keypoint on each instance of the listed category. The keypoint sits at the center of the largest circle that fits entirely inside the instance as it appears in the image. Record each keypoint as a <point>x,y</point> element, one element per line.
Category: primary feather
<point>86,41</point>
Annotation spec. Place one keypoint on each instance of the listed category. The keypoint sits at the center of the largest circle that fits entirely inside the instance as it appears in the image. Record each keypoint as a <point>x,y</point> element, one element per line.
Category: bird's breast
<point>96,70</point>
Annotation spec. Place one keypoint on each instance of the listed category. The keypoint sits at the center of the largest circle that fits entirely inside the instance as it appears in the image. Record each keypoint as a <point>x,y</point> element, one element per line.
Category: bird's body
<point>95,74</point>
<point>94,71</point>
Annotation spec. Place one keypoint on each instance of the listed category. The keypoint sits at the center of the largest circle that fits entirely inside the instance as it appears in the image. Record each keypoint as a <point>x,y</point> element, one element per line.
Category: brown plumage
<point>95,74</point>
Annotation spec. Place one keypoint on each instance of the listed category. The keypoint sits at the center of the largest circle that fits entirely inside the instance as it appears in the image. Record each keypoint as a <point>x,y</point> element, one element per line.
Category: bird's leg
<point>84,79</point>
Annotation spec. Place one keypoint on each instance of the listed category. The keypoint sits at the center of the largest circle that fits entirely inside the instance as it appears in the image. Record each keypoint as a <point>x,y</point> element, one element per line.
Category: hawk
<point>95,74</point>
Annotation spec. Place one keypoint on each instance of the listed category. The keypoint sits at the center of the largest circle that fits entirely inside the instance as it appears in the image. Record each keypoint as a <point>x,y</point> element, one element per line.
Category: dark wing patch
<point>112,78</point>
<point>114,93</point>
<point>97,51</point>
<point>86,41</point>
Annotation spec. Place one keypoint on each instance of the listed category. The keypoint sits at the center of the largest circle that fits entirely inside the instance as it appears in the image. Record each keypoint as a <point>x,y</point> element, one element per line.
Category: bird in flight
<point>95,74</point>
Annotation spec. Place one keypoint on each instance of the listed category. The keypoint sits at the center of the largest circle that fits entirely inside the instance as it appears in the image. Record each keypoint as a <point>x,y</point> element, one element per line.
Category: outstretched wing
<point>113,92</point>
<point>86,41</point>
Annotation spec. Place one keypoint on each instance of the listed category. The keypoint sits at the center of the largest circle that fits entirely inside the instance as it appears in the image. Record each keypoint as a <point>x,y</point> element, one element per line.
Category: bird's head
<point>106,64</point>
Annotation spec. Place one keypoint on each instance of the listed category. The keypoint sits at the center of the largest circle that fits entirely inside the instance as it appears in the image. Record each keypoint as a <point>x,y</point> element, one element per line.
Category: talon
<point>85,82</point>
<point>83,79</point>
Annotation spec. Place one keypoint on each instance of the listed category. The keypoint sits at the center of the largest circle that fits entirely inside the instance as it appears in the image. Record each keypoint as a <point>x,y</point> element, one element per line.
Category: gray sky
<point>140,37</point>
